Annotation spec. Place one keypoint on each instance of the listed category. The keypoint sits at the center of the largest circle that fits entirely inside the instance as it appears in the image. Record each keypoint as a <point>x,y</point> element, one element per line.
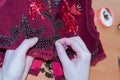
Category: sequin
<point>69,20</point>
<point>75,9</point>
<point>35,8</point>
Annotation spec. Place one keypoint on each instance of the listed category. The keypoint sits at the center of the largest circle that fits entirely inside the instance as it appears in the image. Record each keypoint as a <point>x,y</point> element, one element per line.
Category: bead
<point>28,31</point>
<point>96,51</point>
<point>49,75</point>
<point>93,54</point>
<point>56,2</point>
<point>119,61</point>
<point>48,65</point>
<point>119,26</point>
<point>42,70</point>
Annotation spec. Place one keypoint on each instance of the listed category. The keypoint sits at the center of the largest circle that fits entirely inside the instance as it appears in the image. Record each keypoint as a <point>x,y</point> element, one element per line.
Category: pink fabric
<point>36,64</point>
<point>35,68</point>
<point>58,71</point>
<point>57,68</point>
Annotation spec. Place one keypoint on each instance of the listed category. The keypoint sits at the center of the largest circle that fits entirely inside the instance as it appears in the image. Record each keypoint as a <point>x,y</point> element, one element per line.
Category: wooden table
<point>108,68</point>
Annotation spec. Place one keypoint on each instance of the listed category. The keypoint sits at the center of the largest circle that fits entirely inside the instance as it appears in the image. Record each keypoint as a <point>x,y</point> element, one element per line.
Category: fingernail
<point>59,47</point>
<point>34,39</point>
<point>31,41</point>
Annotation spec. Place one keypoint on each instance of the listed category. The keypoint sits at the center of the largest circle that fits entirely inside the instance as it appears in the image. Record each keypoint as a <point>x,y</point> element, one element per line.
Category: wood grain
<point>108,68</point>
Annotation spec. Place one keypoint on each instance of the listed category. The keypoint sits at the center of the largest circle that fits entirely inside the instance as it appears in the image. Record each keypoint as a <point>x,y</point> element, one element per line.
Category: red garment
<point>63,18</point>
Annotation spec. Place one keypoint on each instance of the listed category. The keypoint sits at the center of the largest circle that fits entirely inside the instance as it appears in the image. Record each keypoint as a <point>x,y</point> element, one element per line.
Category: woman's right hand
<point>78,67</point>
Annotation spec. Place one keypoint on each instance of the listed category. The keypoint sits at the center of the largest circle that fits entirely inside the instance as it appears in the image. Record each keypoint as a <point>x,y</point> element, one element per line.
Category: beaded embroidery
<point>7,40</point>
<point>96,51</point>
<point>37,6</point>
<point>31,32</point>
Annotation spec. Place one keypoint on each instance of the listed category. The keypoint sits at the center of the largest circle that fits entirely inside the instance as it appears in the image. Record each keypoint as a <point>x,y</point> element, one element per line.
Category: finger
<point>26,45</point>
<point>85,50</point>
<point>75,46</point>
<point>79,40</point>
<point>62,54</point>
<point>8,54</point>
<point>7,58</point>
<point>28,64</point>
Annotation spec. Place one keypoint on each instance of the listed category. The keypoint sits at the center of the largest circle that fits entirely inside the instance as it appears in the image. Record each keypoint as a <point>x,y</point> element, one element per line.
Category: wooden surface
<point>108,68</point>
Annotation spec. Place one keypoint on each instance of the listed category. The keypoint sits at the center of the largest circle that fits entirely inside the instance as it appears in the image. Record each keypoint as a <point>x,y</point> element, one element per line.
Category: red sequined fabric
<point>68,19</point>
<point>36,7</point>
<point>49,20</point>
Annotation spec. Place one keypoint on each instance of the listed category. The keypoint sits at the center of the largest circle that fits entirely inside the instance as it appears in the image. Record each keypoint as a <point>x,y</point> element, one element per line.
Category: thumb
<point>26,45</point>
<point>62,54</point>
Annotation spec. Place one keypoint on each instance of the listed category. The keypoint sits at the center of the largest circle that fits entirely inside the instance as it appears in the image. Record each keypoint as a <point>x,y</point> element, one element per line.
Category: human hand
<point>78,67</point>
<point>16,64</point>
